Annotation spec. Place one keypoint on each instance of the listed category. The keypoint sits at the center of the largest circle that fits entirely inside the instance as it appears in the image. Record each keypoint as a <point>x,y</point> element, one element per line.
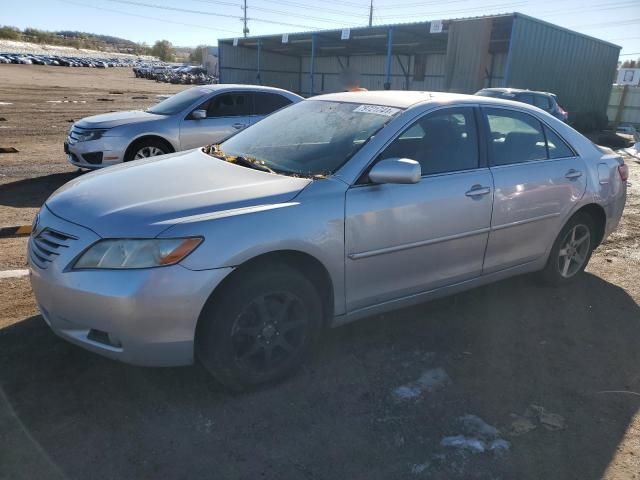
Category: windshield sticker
<point>377,110</point>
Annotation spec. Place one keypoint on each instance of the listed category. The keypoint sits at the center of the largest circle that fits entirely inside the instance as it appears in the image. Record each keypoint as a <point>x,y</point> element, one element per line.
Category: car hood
<point>143,198</point>
<point>115,119</point>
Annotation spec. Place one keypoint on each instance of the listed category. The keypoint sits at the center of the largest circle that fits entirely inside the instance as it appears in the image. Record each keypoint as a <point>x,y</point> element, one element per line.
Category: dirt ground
<point>411,394</point>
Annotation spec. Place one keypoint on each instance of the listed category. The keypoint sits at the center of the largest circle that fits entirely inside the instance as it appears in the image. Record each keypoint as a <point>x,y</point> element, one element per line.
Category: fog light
<point>104,338</point>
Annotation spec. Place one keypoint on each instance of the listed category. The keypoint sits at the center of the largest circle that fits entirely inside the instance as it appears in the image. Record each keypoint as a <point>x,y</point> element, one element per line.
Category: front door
<point>406,239</point>
<point>226,114</point>
<point>538,180</point>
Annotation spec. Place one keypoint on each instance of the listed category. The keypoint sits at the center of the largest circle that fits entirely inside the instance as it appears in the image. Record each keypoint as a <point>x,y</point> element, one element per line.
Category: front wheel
<point>145,149</point>
<point>259,328</point>
<point>571,251</point>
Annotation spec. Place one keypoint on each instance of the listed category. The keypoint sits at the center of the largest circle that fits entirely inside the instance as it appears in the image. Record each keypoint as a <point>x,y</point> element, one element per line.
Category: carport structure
<point>462,55</point>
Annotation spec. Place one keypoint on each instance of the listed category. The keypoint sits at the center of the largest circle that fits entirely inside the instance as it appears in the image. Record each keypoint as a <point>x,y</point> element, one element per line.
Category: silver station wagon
<point>333,209</point>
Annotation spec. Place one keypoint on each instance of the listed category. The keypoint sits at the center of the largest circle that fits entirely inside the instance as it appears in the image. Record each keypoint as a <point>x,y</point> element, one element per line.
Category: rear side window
<point>542,102</point>
<point>443,141</point>
<point>557,147</point>
<point>517,137</point>
<point>526,98</point>
<point>266,103</point>
<point>229,105</point>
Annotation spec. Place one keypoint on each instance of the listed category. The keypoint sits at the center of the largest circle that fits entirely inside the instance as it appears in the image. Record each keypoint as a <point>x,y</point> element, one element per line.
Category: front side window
<point>229,105</point>
<point>266,103</point>
<point>517,137</point>
<point>443,141</point>
<point>312,137</point>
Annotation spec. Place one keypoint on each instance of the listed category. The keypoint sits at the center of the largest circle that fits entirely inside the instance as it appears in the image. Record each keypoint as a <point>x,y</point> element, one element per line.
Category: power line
<point>201,12</point>
<point>628,54</point>
<point>147,17</point>
<point>278,12</point>
<point>466,10</point>
<point>324,8</point>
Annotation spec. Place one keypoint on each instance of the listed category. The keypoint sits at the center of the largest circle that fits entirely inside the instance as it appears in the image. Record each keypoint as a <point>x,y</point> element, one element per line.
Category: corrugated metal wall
<point>576,68</point>
<point>371,68</point>
<point>631,108</point>
<point>240,64</point>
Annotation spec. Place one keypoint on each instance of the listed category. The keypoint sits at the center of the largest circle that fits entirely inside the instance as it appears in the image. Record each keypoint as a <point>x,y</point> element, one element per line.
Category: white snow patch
<point>13,273</point>
<point>6,103</point>
<point>474,445</point>
<point>430,381</point>
<point>418,468</point>
<point>477,437</point>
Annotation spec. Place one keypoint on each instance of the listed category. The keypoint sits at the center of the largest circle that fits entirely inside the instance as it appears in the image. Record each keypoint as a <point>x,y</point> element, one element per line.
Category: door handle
<point>478,191</point>
<point>573,174</point>
<point>238,126</point>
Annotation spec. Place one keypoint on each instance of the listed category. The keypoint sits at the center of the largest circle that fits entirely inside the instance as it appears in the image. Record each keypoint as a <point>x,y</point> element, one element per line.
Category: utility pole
<point>371,13</point>
<point>245,30</point>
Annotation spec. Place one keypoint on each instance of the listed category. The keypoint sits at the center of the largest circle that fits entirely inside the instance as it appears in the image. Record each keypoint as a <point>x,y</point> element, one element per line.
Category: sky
<point>204,21</point>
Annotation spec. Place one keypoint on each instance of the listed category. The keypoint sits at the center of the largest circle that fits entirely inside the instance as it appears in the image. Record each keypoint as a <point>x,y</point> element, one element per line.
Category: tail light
<point>623,170</point>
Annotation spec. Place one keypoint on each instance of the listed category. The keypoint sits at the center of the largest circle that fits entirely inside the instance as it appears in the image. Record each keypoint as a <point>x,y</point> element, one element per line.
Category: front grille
<point>47,245</point>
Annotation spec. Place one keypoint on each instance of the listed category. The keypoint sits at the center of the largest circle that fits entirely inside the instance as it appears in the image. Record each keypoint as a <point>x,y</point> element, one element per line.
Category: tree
<point>12,33</point>
<point>196,55</point>
<point>163,49</point>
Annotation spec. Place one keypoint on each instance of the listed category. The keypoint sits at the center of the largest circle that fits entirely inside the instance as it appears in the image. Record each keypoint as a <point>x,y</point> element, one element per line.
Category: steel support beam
<point>387,73</point>
<point>312,65</point>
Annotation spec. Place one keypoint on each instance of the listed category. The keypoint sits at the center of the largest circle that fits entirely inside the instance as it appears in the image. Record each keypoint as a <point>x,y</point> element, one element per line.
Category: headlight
<point>135,253</point>
<point>90,135</point>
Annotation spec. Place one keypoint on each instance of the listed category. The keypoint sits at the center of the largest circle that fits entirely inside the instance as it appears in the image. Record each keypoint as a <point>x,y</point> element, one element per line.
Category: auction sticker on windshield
<point>378,110</point>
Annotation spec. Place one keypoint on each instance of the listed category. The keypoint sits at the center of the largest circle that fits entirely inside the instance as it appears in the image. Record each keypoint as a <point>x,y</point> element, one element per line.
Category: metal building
<point>462,55</point>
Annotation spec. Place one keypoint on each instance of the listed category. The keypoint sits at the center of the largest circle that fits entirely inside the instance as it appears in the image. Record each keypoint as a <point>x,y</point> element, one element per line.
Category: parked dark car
<point>544,100</point>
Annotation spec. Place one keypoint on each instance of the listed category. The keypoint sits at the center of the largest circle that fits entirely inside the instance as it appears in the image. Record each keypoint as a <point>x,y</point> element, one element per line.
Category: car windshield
<point>179,101</point>
<point>310,138</point>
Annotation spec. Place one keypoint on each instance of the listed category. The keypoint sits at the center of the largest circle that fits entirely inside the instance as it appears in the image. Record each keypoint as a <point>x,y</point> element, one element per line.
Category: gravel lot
<point>509,381</point>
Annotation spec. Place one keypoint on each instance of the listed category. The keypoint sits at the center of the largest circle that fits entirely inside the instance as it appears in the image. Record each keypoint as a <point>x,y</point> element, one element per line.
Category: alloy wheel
<point>269,332</point>
<point>574,250</point>
<point>146,152</point>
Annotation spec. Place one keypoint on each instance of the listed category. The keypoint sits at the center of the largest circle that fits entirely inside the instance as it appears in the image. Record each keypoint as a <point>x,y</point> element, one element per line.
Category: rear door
<point>265,103</point>
<point>538,179</point>
<point>227,113</point>
<point>406,239</point>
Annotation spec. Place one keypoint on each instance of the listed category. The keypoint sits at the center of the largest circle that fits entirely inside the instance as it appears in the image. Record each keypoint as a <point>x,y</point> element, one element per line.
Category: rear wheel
<point>259,328</point>
<point>146,148</point>
<point>571,251</point>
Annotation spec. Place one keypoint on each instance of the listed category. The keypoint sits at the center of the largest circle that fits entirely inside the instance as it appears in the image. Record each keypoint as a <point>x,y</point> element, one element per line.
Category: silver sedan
<point>334,209</point>
<point>192,118</point>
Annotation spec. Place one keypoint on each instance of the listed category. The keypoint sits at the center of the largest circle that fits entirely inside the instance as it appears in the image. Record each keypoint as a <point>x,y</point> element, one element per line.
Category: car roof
<point>406,99</point>
<point>242,87</point>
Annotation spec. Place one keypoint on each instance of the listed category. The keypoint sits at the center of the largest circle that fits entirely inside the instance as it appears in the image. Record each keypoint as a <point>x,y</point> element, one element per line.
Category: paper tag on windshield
<point>377,110</point>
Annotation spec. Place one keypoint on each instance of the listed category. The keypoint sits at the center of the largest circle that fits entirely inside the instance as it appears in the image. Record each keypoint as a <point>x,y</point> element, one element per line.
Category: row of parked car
<point>24,59</point>
<point>176,74</point>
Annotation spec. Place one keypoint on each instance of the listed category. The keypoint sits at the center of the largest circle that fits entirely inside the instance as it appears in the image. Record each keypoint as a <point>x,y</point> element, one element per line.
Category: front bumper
<point>150,313</point>
<point>112,150</point>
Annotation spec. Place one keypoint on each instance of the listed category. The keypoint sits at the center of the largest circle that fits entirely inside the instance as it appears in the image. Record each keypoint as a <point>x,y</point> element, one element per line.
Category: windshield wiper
<point>249,162</point>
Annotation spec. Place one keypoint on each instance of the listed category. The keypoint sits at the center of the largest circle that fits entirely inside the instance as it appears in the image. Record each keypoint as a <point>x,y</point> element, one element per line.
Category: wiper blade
<point>249,162</point>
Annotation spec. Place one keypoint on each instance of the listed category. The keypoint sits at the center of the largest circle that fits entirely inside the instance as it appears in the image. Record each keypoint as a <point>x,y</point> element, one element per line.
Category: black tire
<point>146,143</point>
<point>259,328</point>
<point>556,272</point>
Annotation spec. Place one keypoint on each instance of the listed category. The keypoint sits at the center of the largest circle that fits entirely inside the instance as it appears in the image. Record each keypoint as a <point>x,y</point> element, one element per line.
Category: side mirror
<point>199,114</point>
<point>396,170</point>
